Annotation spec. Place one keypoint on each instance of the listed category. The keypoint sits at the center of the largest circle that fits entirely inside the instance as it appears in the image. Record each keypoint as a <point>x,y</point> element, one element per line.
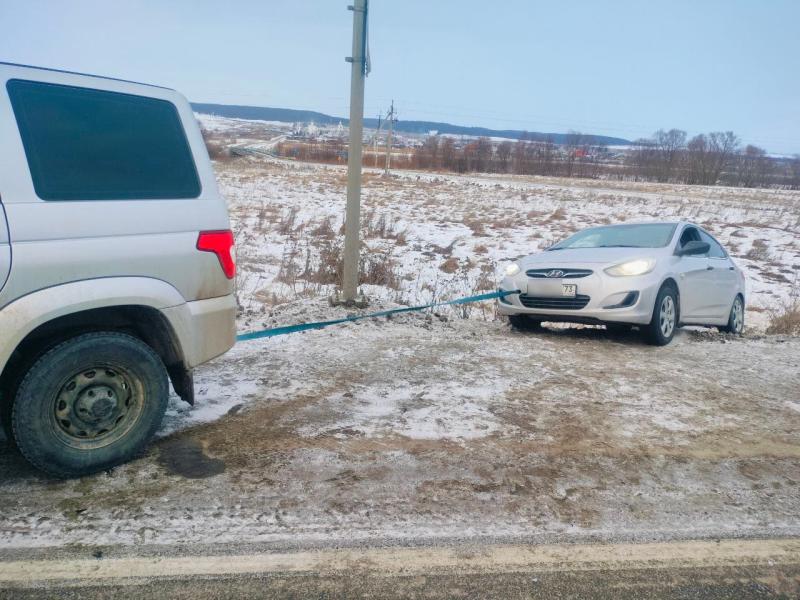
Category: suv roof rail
<point>10,64</point>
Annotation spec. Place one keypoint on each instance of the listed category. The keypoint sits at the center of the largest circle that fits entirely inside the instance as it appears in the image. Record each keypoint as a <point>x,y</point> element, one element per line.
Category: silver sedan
<point>657,276</point>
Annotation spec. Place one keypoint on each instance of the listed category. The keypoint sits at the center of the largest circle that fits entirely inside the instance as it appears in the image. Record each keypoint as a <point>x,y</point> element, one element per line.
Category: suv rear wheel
<point>89,404</point>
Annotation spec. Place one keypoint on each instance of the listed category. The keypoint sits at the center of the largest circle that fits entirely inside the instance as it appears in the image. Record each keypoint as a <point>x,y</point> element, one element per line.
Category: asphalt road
<point>740,569</point>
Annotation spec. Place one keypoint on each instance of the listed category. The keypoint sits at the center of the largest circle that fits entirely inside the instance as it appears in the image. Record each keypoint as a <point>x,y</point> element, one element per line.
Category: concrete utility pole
<point>390,118</point>
<point>358,71</point>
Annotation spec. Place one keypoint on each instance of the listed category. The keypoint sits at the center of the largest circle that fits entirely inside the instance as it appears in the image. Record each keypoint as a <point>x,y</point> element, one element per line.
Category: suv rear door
<point>98,179</point>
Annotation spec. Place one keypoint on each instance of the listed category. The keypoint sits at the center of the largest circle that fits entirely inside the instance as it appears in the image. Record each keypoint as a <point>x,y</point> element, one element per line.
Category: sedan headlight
<point>512,269</point>
<point>640,266</point>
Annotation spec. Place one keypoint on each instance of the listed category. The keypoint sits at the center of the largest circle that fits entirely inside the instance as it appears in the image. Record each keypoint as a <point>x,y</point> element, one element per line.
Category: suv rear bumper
<point>205,328</point>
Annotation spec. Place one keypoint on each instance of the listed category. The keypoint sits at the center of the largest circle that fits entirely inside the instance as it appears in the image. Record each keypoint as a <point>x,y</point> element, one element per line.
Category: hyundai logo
<point>555,273</point>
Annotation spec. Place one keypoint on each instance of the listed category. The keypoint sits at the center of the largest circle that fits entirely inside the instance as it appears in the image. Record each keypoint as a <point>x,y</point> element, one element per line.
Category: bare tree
<point>643,159</point>
<point>573,142</point>
<point>520,156</point>
<point>669,146</point>
<point>448,153</point>
<point>753,167</point>
<point>723,145</point>
<point>427,156</point>
<point>794,172</point>
<point>503,155</point>
<point>483,154</point>
<point>698,160</point>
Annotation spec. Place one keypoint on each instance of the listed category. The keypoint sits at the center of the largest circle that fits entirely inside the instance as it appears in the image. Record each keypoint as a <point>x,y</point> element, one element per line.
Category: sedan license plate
<point>569,290</point>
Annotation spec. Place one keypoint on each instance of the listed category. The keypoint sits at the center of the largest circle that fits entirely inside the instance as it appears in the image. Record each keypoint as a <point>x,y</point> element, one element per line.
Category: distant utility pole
<point>360,67</point>
<point>389,118</point>
<point>375,142</point>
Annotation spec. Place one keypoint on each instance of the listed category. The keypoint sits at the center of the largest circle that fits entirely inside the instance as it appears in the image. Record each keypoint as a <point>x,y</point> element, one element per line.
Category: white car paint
<point>707,286</point>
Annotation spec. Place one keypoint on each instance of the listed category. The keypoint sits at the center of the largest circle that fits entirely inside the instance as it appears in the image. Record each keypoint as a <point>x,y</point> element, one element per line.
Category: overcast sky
<point>622,68</point>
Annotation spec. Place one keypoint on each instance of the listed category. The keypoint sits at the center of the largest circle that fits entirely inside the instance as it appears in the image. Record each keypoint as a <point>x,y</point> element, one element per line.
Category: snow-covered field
<point>448,424</point>
<point>442,236</point>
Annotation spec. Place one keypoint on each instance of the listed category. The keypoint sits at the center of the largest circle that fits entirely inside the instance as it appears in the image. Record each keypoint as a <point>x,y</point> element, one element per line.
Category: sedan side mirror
<point>694,248</point>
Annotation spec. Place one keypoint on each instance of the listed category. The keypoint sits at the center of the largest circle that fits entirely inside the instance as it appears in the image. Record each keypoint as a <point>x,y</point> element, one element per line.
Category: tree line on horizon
<point>716,158</point>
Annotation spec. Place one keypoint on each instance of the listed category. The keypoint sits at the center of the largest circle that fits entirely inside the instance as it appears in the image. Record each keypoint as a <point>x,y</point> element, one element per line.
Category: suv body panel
<point>202,328</point>
<point>76,255</point>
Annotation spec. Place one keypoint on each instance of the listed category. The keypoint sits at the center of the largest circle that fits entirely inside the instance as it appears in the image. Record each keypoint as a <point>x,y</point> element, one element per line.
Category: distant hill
<point>289,115</point>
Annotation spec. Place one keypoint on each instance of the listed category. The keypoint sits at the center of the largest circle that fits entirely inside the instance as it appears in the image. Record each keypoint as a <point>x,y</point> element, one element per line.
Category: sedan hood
<point>586,256</point>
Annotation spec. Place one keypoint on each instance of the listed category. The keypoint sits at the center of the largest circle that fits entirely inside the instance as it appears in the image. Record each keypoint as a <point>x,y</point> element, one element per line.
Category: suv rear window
<point>87,144</point>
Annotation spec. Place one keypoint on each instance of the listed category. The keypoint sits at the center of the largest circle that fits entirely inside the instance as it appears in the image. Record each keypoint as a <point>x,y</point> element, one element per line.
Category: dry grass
<point>759,251</point>
<point>450,265</point>
<point>383,226</point>
<point>288,221</point>
<point>504,223</point>
<point>324,230</point>
<point>486,278</point>
<point>379,268</point>
<point>329,268</point>
<point>785,320</point>
<point>476,224</point>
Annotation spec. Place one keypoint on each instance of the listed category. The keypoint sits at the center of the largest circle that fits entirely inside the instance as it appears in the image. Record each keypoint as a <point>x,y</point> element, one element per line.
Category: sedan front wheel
<point>661,328</point>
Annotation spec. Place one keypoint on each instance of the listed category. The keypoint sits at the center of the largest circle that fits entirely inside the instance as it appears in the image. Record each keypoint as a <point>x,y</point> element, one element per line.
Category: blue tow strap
<point>275,331</point>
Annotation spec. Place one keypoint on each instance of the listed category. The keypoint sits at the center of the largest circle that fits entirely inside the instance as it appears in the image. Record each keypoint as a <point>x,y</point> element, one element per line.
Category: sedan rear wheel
<point>662,326</point>
<point>735,318</point>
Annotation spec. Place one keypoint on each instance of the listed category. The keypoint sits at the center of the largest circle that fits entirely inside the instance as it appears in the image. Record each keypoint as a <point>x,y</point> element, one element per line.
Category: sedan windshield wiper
<point>618,246</point>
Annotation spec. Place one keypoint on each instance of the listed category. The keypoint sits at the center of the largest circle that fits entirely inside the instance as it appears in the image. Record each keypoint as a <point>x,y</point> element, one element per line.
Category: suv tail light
<point>221,244</point>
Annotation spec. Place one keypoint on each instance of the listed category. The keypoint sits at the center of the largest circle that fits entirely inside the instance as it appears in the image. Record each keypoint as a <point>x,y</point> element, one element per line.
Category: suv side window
<point>716,250</point>
<point>88,144</point>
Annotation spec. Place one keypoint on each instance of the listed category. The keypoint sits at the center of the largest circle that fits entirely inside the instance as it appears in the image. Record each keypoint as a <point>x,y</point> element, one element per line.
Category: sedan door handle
<point>709,268</point>
<point>731,268</point>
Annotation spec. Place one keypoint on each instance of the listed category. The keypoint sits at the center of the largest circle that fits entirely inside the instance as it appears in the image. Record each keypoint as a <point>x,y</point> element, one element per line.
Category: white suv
<point>116,264</point>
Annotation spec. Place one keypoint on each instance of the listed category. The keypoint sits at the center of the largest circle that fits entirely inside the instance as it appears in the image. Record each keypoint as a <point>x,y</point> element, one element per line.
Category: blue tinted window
<point>87,144</point>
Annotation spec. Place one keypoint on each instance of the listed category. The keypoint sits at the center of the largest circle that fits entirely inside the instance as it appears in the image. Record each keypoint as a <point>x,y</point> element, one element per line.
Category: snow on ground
<point>443,236</point>
<point>418,428</point>
<point>448,424</point>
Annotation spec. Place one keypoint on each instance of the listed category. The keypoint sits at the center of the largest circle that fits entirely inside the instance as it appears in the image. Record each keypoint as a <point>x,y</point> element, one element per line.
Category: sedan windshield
<point>647,235</point>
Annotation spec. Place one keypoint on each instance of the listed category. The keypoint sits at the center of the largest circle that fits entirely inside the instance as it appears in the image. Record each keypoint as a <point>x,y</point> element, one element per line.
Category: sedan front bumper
<point>600,298</point>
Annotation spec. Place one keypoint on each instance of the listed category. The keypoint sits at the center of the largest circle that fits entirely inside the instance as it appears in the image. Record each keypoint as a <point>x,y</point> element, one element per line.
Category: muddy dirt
<point>433,429</point>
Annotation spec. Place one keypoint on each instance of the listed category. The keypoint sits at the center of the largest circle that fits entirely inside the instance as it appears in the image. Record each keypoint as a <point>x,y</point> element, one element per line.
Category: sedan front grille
<point>556,303</point>
<point>556,273</point>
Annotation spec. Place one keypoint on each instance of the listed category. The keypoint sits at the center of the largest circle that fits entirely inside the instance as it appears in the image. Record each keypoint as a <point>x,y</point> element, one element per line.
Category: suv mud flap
<point>183,381</point>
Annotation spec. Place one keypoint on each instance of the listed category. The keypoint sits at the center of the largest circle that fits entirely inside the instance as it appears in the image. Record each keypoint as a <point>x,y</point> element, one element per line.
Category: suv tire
<point>89,404</point>
<point>664,322</point>
<point>5,418</point>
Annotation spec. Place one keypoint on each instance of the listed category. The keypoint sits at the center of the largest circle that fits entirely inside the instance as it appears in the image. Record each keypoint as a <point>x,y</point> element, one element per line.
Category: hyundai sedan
<point>656,276</point>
